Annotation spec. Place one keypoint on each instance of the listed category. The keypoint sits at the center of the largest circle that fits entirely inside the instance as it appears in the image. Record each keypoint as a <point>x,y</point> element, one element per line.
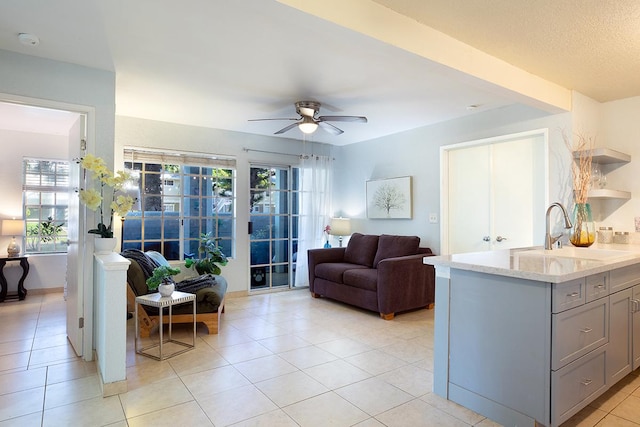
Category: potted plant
<point>162,281</point>
<point>210,256</point>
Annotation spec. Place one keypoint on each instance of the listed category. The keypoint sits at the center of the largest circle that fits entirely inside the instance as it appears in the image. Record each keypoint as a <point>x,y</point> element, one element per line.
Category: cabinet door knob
<point>586,330</point>
<point>586,382</point>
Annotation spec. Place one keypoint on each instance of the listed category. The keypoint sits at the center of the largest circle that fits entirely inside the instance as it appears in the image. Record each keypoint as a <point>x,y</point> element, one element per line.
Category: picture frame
<point>389,198</point>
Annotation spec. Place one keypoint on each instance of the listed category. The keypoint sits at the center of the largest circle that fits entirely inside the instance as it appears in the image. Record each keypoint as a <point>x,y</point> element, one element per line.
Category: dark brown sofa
<point>380,273</point>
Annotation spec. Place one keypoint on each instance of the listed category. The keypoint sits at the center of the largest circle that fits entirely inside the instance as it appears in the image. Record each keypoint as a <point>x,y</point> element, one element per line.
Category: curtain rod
<point>300,156</point>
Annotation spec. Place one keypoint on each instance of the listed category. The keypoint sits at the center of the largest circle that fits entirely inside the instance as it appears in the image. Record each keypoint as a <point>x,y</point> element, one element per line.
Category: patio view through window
<point>179,198</point>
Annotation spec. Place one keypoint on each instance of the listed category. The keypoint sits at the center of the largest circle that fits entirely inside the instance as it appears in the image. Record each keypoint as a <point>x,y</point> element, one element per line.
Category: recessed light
<point>28,39</point>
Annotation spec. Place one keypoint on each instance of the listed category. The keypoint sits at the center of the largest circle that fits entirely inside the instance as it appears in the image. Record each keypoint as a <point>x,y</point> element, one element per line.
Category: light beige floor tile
<point>374,396</point>
<point>265,331</point>
<point>410,378</point>
<point>70,371</point>
<point>204,384</point>
<point>628,384</point>
<point>306,357</point>
<point>18,346</point>
<point>344,347</point>
<point>371,422</point>
<point>376,362</point>
<point>67,392</point>
<point>609,400</point>
<point>264,368</point>
<point>418,413</point>
<point>318,336</point>
<point>31,420</point>
<point>283,343</point>
<point>488,423</point>
<point>14,361</point>
<point>588,417</point>
<point>185,414</point>
<point>614,421</point>
<point>49,341</point>
<point>290,388</point>
<point>325,409</point>
<point>22,380</point>
<point>197,360</point>
<point>452,408</point>
<point>336,374</point>
<point>98,411</point>
<point>155,396</point>
<point>57,354</point>
<point>148,371</point>
<point>276,418</point>
<point>226,338</point>
<point>21,403</point>
<point>236,405</point>
<point>409,351</point>
<point>629,409</point>
<point>243,352</point>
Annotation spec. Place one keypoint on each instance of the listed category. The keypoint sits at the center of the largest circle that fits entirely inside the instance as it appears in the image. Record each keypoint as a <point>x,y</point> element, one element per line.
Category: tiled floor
<point>281,359</point>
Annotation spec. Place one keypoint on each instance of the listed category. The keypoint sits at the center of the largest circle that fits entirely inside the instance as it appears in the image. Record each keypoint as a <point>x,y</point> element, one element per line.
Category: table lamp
<point>340,227</point>
<point>13,227</point>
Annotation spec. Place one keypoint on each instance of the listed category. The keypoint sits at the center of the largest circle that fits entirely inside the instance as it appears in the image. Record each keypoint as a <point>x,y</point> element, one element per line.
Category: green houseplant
<point>210,256</point>
<point>161,280</point>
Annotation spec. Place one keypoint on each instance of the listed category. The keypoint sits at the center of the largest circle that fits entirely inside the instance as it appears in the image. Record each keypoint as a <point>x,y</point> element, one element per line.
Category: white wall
<point>162,135</point>
<point>416,153</point>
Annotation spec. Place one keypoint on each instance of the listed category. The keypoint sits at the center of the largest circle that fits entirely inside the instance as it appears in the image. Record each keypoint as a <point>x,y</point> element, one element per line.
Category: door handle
<point>500,239</point>
<point>486,238</point>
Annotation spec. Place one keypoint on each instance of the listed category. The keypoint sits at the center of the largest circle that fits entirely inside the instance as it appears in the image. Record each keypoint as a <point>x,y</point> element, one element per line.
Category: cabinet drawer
<point>577,384</point>
<point>568,295</point>
<point>625,277</point>
<point>597,286</point>
<point>577,331</point>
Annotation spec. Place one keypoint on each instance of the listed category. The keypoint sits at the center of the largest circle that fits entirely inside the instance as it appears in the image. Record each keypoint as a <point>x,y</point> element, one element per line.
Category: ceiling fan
<point>308,122</point>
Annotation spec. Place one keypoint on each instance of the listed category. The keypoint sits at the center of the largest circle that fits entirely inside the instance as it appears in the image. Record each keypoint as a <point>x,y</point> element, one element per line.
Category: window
<point>180,197</point>
<point>46,200</point>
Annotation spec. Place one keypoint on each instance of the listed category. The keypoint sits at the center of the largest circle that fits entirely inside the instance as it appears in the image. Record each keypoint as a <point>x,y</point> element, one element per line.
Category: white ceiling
<point>218,63</point>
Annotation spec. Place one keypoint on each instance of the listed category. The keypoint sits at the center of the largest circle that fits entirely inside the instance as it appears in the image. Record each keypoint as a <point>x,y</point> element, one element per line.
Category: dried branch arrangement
<point>581,148</point>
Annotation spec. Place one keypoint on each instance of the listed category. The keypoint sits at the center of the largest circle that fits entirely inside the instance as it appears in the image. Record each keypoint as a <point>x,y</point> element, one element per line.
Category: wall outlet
<point>433,218</point>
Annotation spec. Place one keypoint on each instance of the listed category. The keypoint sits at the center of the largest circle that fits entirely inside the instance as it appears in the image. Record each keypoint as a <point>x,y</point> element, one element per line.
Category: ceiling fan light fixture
<point>307,125</point>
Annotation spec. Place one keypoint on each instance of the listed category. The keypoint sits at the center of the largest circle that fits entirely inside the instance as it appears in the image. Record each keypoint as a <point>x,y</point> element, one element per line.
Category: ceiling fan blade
<point>358,119</point>
<point>259,120</point>
<point>285,129</point>
<point>330,128</point>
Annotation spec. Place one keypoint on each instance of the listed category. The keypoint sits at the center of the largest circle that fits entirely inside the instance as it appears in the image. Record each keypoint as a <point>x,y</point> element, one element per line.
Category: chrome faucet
<point>548,239</point>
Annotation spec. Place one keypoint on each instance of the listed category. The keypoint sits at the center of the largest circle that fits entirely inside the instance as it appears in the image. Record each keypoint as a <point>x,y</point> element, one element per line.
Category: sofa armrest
<point>405,283</point>
<point>320,256</point>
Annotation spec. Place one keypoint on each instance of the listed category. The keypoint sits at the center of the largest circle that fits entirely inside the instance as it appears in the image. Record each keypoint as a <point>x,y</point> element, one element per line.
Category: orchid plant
<point>94,198</point>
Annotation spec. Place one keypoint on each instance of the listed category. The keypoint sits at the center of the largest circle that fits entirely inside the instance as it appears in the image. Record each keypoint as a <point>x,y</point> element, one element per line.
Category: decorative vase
<point>583,232</point>
<point>327,245</point>
<point>166,289</point>
<point>104,245</point>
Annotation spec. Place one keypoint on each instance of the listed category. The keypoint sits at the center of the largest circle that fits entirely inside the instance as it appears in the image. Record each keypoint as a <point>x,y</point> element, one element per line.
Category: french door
<point>273,226</point>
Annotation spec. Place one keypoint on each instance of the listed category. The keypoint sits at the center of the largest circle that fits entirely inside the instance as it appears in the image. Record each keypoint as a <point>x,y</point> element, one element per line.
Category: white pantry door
<point>495,194</point>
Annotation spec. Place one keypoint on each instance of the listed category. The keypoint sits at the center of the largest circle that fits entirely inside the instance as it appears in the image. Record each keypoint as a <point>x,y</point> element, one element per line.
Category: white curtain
<point>315,210</point>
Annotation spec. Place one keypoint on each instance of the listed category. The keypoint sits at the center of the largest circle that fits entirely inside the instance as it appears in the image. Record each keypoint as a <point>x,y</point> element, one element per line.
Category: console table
<point>24,263</point>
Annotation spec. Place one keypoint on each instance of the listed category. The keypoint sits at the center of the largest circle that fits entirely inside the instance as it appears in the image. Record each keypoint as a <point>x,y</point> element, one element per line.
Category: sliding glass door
<point>273,226</point>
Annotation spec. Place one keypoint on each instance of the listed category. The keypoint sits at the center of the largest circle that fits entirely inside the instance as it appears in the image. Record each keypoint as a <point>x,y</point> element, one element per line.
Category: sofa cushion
<point>365,278</point>
<point>395,246</point>
<point>137,279</point>
<point>334,271</point>
<point>361,249</point>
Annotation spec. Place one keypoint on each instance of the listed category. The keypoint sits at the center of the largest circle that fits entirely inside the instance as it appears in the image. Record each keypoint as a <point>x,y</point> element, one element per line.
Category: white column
<point>110,281</point>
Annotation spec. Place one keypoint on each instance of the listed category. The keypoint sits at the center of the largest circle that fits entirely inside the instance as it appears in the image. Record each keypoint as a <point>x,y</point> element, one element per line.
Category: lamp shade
<point>12,227</point>
<point>340,226</point>
<point>308,125</point>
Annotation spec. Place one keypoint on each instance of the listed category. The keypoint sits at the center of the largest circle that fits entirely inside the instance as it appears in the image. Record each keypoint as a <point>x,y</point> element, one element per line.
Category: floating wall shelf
<point>605,193</point>
<point>606,156</point>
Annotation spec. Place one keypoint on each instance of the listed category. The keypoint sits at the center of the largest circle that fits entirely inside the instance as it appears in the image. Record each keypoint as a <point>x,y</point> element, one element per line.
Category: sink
<point>575,252</point>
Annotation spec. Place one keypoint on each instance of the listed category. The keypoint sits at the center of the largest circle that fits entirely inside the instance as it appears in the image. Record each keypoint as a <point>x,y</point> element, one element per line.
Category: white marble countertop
<point>534,263</point>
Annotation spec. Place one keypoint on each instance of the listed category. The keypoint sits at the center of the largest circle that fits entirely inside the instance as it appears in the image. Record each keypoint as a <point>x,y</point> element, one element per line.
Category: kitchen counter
<point>534,263</point>
<point>529,337</point>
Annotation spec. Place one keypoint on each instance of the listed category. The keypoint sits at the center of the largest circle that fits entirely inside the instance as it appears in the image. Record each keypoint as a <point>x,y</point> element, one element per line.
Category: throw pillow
<point>395,246</point>
<point>361,249</point>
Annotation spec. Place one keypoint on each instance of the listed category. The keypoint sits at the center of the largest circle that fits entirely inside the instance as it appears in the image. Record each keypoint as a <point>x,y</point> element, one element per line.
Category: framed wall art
<point>389,198</point>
